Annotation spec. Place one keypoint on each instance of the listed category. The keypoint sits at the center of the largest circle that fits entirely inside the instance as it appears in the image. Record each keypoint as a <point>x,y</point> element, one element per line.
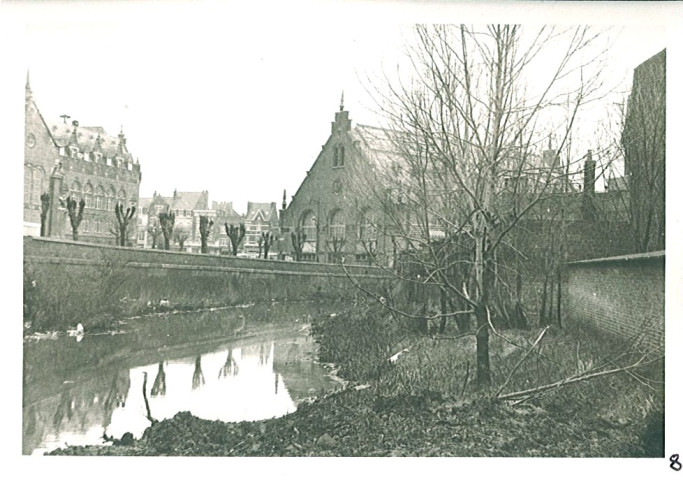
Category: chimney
<point>589,174</point>
<point>588,196</point>
<point>284,200</point>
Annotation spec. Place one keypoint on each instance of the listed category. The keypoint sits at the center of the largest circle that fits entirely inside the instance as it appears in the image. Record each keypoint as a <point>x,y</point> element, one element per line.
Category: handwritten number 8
<point>675,464</point>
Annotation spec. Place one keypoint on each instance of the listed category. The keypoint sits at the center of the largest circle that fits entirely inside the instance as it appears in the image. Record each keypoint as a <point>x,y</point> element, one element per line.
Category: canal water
<point>241,363</point>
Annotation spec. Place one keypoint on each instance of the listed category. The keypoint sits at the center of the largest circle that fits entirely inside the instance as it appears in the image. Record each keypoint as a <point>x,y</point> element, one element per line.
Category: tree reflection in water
<point>159,386</point>
<point>64,408</point>
<point>230,367</point>
<point>197,376</point>
<point>277,382</point>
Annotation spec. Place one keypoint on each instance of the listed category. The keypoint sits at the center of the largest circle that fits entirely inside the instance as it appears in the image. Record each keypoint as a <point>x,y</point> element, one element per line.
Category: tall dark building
<point>644,143</point>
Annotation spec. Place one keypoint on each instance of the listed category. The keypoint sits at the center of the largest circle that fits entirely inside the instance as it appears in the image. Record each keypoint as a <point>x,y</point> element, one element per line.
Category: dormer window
<point>130,166</point>
<point>109,162</point>
<point>73,152</point>
<point>62,151</point>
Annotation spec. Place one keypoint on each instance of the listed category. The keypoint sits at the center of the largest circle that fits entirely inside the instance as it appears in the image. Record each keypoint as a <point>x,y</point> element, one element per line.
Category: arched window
<point>28,184</point>
<point>308,225</point>
<point>335,160</point>
<point>340,160</point>
<point>337,226</point>
<point>121,198</point>
<point>37,185</point>
<point>111,199</point>
<point>367,230</point>
<point>99,198</point>
<point>75,191</point>
<point>87,195</point>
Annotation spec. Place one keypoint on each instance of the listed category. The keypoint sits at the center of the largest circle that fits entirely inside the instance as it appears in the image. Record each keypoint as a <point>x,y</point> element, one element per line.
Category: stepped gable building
<point>260,218</point>
<point>354,194</point>
<point>68,159</point>
<point>337,206</point>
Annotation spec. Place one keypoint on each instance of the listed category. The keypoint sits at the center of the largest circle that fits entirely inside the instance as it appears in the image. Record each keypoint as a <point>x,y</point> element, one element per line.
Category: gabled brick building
<point>66,159</point>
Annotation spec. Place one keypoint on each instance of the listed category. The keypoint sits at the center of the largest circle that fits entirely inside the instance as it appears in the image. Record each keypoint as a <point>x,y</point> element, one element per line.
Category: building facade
<point>63,159</point>
<point>644,144</point>
<point>340,203</point>
<point>261,218</point>
<point>187,207</point>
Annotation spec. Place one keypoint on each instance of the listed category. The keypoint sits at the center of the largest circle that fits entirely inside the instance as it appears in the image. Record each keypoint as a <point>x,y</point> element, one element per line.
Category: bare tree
<point>236,235</point>
<point>267,240</point>
<point>204,231</point>
<point>468,125</point>
<point>75,211</point>
<point>154,231</point>
<point>298,242</point>
<point>180,235</point>
<point>167,222</point>
<point>123,219</point>
<point>44,210</point>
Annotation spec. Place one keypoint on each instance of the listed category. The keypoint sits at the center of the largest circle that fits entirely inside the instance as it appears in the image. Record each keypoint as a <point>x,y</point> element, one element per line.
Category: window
<point>75,191</point>
<point>86,225</point>
<point>308,225</point>
<point>338,159</point>
<point>121,197</point>
<point>366,226</point>
<point>111,195</point>
<point>87,195</point>
<point>141,235</point>
<point>99,198</point>
<point>109,162</point>
<point>337,227</point>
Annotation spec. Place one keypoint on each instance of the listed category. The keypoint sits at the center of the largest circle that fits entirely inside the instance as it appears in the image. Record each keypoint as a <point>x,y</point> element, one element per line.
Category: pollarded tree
<point>236,235</point>
<point>44,210</point>
<point>180,235</point>
<point>123,219</point>
<point>298,242</point>
<point>468,124</point>
<point>267,240</point>
<point>75,211</point>
<point>204,231</point>
<point>167,222</point>
<point>154,231</point>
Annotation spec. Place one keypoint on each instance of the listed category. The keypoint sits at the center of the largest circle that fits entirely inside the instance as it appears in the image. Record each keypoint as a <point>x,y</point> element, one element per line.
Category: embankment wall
<point>65,280</point>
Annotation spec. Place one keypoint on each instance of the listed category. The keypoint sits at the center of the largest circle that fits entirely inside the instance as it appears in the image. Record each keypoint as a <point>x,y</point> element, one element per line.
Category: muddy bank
<point>358,423</point>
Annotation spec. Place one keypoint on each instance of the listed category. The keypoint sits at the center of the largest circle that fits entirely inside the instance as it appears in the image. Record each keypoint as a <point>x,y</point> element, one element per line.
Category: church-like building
<point>65,159</point>
<point>340,205</point>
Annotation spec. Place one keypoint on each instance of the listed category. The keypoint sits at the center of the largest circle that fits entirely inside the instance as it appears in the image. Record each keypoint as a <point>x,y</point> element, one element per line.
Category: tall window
<point>338,160</point>
<point>308,226</point>
<point>111,199</point>
<point>366,226</point>
<point>99,198</point>
<point>87,194</point>
<point>75,191</point>
<point>121,197</point>
<point>337,226</point>
<point>34,184</point>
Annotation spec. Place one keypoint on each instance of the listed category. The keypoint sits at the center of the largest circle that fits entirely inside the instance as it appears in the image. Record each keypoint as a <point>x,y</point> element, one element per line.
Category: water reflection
<point>96,387</point>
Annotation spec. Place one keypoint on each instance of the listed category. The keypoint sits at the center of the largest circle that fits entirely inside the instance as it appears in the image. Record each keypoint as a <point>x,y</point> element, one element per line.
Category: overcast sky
<point>235,100</point>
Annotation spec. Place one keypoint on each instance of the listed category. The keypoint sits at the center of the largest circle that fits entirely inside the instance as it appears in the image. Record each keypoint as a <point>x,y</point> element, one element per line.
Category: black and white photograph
<point>343,229</point>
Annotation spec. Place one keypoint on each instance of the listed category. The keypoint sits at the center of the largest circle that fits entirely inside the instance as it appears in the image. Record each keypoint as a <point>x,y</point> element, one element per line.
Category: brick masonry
<point>623,295</point>
<point>63,269</point>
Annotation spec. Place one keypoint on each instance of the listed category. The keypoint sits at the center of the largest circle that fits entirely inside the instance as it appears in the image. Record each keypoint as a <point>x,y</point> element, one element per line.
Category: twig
<point>567,381</point>
<point>509,377</point>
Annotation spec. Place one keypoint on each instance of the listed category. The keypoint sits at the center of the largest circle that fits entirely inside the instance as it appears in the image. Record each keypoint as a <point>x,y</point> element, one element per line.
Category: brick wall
<point>622,295</point>
<point>70,279</point>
